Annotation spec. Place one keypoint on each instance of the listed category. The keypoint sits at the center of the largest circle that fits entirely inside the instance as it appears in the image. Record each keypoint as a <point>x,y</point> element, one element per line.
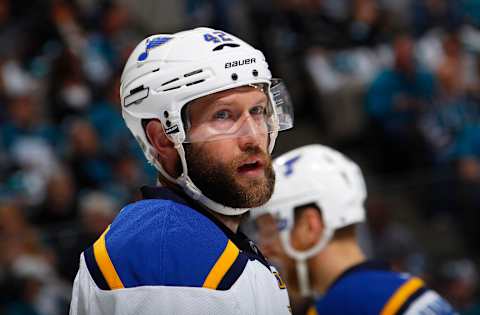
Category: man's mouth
<point>251,167</point>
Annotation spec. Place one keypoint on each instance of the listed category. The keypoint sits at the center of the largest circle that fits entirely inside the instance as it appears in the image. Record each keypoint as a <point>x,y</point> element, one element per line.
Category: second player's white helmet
<point>319,175</point>
<point>167,71</point>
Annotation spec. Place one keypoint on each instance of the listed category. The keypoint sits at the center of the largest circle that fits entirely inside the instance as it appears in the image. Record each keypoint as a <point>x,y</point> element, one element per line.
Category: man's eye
<point>221,115</point>
<point>257,110</point>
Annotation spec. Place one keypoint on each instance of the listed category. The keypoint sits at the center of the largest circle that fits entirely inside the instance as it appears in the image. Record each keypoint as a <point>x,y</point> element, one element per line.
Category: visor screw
<point>234,76</point>
<point>168,123</point>
<point>255,73</point>
<point>165,114</point>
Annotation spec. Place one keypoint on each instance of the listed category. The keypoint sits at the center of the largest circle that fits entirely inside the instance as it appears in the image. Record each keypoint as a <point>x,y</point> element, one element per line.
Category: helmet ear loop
<point>301,257</point>
<point>181,153</point>
<point>184,180</point>
<point>179,146</point>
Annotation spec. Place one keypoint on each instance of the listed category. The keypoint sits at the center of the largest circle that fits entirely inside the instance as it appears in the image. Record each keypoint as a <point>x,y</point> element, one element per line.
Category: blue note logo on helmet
<point>152,43</point>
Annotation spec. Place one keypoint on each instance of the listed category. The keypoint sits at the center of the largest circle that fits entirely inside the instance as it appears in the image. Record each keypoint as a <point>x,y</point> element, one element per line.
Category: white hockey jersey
<point>160,256</point>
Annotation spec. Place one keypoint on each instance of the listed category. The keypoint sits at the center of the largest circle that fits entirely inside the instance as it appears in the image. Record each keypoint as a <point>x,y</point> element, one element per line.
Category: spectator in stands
<point>25,120</point>
<point>394,101</point>
<point>32,286</point>
<point>60,203</point>
<point>445,124</point>
<point>69,93</point>
<point>457,281</point>
<point>429,14</point>
<point>105,116</point>
<point>467,184</point>
<point>40,291</point>
<point>97,211</point>
<point>90,165</point>
<point>128,176</point>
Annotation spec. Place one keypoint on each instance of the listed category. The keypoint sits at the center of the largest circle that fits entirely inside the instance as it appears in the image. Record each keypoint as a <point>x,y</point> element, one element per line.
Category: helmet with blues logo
<point>314,175</point>
<point>167,71</point>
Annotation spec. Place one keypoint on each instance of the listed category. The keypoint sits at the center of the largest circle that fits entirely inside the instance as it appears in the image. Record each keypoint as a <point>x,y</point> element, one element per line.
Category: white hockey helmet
<point>316,174</point>
<point>167,71</point>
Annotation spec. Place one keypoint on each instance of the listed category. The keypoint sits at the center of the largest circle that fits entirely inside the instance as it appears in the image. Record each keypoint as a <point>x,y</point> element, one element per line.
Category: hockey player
<point>317,202</point>
<point>204,108</point>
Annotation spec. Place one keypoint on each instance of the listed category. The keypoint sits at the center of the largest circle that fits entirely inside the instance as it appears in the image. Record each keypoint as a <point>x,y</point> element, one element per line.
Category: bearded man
<point>206,112</point>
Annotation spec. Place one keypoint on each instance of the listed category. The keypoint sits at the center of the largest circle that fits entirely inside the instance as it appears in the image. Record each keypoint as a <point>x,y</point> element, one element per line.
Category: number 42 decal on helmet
<point>219,37</point>
<point>216,37</point>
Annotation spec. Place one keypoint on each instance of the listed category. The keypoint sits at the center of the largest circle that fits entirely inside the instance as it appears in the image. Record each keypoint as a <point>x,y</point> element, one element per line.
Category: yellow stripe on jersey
<point>105,264</point>
<point>230,253</point>
<point>312,311</point>
<point>401,296</point>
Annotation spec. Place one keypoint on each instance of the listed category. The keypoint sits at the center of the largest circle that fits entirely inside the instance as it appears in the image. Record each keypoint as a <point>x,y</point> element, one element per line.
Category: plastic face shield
<point>253,114</point>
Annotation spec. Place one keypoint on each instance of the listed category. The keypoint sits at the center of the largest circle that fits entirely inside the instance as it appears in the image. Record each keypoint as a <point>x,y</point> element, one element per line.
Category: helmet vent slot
<point>172,88</point>
<point>193,72</point>
<point>137,89</point>
<point>195,82</point>
<point>172,80</point>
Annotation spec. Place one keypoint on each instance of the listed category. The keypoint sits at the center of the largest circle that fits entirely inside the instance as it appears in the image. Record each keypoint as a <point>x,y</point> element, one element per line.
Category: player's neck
<point>329,264</point>
<point>231,222</point>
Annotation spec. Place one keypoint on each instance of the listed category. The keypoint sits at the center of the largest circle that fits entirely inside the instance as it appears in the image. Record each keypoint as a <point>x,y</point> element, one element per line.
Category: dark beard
<point>217,180</point>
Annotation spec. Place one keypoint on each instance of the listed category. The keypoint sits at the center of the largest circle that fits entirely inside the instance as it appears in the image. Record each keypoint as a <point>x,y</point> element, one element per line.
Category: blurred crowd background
<point>394,84</point>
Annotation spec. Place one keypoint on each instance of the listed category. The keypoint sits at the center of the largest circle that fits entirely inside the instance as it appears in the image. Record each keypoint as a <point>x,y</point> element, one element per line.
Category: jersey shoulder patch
<point>164,243</point>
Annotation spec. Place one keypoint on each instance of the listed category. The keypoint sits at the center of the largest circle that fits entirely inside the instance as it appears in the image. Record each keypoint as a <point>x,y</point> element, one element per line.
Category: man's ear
<point>308,229</point>
<point>314,224</point>
<point>166,153</point>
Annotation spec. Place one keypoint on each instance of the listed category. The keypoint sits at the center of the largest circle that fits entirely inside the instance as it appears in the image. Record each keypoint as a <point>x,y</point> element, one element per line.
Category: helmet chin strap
<point>301,258</point>
<point>302,275</point>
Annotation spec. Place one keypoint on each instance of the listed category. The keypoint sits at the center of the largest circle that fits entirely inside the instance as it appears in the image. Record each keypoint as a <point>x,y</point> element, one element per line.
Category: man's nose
<point>251,127</point>
<point>249,133</point>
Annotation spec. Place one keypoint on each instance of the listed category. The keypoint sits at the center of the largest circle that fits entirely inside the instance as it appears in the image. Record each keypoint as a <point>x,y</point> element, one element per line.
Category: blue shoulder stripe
<point>401,295</point>
<point>410,300</point>
<point>94,270</point>
<point>234,272</point>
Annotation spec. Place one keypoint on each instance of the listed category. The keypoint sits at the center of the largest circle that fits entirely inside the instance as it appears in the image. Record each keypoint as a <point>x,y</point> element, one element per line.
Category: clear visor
<point>254,113</point>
